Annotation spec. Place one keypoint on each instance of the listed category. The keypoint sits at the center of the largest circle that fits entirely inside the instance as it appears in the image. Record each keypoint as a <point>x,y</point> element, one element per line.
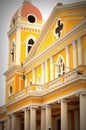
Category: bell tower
<point>25,27</point>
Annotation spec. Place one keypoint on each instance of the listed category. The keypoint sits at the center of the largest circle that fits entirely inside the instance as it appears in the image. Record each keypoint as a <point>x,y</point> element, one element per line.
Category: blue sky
<point>7,9</point>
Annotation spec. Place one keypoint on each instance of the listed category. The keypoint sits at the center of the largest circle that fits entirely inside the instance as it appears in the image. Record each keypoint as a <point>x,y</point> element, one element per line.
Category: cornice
<point>11,70</point>
<point>22,24</point>
<point>49,22</point>
<point>72,6</point>
<point>65,37</point>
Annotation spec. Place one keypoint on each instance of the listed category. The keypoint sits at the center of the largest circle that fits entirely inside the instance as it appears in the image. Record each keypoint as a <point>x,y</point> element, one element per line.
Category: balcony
<point>72,76</point>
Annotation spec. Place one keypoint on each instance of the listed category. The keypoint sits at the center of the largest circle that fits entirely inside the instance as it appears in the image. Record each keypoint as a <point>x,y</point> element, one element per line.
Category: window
<point>10,90</point>
<point>31,19</point>
<point>30,44</point>
<point>12,52</point>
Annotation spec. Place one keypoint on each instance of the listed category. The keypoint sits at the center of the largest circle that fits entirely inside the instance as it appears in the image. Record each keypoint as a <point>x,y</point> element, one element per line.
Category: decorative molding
<point>31,60</point>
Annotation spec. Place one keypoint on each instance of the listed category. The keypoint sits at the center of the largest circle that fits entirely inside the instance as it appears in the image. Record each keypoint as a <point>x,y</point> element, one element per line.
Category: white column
<point>48,118</point>
<point>67,58</point>
<point>33,73</point>
<point>64,115</point>
<point>9,123</point>
<point>69,121</point>
<point>43,73</point>
<point>83,111</point>
<point>74,55</point>
<point>79,51</point>
<point>85,57</point>
<point>76,120</point>
<point>0,125</point>
<point>18,35</point>
<point>13,122</point>
<point>42,119</point>
<point>26,119</point>
<point>33,117</point>
<point>18,124</point>
<point>46,71</point>
<point>5,125</point>
<point>51,68</point>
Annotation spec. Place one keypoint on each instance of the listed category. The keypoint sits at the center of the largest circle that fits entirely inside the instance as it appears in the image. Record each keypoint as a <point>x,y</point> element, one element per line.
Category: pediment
<point>62,19</point>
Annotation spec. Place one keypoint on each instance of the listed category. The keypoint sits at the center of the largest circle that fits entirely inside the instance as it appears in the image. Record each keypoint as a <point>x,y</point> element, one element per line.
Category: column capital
<point>83,93</point>
<point>46,106</point>
<point>33,107</point>
<point>67,49</point>
<point>74,44</point>
<point>79,39</point>
<point>64,100</point>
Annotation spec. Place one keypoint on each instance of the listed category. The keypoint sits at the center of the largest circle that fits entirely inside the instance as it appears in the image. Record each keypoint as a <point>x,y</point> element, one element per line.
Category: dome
<point>29,11</point>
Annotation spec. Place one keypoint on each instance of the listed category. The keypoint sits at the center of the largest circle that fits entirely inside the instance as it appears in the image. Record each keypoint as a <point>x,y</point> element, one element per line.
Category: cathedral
<point>46,76</point>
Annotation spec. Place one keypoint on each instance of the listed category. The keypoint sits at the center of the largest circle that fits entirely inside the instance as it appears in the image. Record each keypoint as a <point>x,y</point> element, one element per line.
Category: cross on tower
<point>59,28</point>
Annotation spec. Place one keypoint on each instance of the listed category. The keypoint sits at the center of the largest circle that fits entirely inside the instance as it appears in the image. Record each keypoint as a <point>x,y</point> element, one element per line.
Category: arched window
<point>12,52</point>
<point>10,90</point>
<point>30,44</point>
<point>60,67</point>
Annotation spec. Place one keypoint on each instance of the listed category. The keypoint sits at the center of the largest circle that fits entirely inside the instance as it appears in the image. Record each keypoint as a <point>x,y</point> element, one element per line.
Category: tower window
<point>30,44</point>
<point>12,52</point>
<point>31,19</point>
<point>10,91</point>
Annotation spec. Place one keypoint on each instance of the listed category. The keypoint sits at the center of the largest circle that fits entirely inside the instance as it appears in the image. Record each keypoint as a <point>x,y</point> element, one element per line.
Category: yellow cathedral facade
<point>46,76</point>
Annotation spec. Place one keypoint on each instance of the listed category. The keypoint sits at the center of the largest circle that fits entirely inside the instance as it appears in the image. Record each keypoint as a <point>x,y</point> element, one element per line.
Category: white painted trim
<point>74,54</point>
<point>51,68</point>
<point>18,41</point>
<point>27,39</point>
<point>33,76</point>
<point>67,58</point>
<point>34,17</point>
<point>79,51</point>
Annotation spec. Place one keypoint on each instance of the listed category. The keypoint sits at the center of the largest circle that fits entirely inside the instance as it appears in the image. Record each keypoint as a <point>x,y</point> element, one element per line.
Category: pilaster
<point>74,55</point>
<point>51,68</point>
<point>43,72</point>
<point>79,51</point>
<point>67,58</point>
<point>18,35</point>
<point>82,111</point>
<point>46,71</point>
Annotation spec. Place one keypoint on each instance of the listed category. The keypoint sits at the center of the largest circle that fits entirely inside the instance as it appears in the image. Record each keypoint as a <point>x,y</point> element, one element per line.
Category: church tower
<point>25,26</point>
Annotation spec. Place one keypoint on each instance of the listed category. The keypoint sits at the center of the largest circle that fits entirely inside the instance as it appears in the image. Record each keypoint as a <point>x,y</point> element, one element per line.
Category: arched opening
<point>30,44</point>
<point>60,67</point>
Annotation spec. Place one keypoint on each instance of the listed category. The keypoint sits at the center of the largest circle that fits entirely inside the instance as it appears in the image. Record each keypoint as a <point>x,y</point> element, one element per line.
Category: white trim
<point>18,41</point>
<point>43,72</point>
<point>79,51</point>
<point>8,82</point>
<point>34,17</point>
<point>74,54</point>
<point>33,76</point>
<point>85,57</point>
<point>51,68</point>
<point>46,71</point>
<point>67,57</point>
<point>26,41</point>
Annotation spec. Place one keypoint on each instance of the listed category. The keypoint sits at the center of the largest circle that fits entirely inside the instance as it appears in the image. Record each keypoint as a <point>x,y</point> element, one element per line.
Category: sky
<point>7,9</point>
